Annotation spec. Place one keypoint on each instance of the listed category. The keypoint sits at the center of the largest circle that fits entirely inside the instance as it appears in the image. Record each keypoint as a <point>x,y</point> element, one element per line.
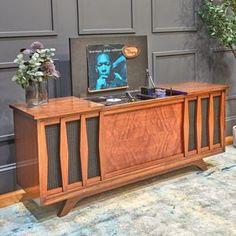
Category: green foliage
<point>34,64</point>
<point>220,19</point>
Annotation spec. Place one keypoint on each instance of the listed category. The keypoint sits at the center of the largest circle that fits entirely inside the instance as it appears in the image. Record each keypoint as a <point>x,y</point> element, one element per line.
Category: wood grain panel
<point>136,141</point>
<point>195,88</point>
<point>222,120</point>
<point>199,124</point>
<point>59,107</point>
<point>43,160</point>
<point>186,126</point>
<point>64,154</point>
<point>102,150</point>
<point>211,121</point>
<point>137,137</point>
<point>27,156</point>
<point>84,150</point>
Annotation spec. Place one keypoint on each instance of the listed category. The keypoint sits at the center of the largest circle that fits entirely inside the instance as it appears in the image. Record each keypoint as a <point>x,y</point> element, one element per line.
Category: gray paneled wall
<point>178,49</point>
<point>28,20</point>
<point>107,16</point>
<point>174,66</point>
<point>173,16</point>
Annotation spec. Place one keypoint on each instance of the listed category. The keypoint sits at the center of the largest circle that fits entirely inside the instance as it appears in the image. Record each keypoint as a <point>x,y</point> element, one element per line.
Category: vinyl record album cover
<point>107,67</point>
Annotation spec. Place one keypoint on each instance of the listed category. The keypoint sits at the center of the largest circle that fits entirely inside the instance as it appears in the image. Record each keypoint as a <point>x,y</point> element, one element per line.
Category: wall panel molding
<point>8,65</point>
<point>223,68</point>
<point>7,167</point>
<point>220,49</point>
<point>162,28</point>
<point>82,30</point>
<point>12,65</point>
<point>52,31</point>
<point>7,137</point>
<point>230,118</point>
<point>231,97</point>
<point>170,54</point>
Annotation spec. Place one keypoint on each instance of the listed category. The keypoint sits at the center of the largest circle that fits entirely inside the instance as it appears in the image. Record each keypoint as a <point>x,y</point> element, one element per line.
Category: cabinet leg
<point>201,164</point>
<point>67,206</point>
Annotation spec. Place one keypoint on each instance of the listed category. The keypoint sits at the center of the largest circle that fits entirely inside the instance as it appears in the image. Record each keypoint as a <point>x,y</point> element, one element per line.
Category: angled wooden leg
<point>200,164</point>
<point>67,206</point>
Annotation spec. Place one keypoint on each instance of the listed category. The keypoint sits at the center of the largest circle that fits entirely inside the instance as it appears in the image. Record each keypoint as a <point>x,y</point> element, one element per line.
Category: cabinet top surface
<point>194,87</point>
<point>58,107</point>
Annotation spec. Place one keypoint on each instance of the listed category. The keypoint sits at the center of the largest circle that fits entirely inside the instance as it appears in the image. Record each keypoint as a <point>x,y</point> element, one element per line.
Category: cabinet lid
<point>58,107</point>
<point>194,87</point>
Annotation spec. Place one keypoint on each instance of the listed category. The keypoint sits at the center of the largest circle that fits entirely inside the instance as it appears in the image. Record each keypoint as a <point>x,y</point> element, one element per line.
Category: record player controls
<point>129,95</point>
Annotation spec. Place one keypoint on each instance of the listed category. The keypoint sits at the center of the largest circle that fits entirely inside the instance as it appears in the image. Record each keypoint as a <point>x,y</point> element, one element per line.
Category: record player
<point>144,93</point>
<point>112,77</point>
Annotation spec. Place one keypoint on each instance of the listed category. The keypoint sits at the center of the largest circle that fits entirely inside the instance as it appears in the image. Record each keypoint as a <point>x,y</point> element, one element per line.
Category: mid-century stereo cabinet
<point>72,148</point>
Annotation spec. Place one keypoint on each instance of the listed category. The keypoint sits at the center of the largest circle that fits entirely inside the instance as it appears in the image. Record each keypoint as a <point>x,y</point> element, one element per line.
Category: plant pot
<point>36,93</point>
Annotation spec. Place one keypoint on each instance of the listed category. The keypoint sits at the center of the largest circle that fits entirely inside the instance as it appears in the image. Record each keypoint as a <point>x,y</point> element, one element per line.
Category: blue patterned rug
<point>187,202</point>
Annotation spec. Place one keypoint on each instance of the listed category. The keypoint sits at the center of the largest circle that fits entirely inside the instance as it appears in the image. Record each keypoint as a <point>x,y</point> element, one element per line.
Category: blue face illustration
<point>103,66</point>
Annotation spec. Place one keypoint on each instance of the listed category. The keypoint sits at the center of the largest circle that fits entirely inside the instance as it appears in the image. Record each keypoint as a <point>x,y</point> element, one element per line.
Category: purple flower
<point>36,45</point>
<point>27,51</point>
<point>50,68</point>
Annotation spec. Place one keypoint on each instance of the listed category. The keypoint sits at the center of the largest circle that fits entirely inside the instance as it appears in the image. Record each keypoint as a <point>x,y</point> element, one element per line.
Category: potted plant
<point>220,19</point>
<point>35,67</point>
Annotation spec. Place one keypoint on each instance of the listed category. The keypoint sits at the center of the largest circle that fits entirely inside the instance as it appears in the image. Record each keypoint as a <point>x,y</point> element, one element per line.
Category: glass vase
<point>36,93</point>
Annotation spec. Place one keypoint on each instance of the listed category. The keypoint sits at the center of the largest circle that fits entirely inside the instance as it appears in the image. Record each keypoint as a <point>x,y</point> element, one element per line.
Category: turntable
<point>135,95</point>
<point>109,100</point>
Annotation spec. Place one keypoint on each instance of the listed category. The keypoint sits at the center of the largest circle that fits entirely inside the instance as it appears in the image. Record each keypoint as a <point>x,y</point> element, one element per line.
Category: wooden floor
<point>20,195</point>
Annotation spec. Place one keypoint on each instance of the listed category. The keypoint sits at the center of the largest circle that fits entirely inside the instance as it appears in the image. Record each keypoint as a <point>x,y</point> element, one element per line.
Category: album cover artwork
<point>107,67</point>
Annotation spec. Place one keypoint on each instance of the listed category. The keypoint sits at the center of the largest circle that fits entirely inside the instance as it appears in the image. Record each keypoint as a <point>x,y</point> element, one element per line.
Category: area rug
<point>187,202</point>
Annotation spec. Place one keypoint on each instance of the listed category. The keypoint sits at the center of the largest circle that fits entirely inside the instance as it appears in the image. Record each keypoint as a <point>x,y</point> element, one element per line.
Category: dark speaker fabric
<point>192,127</point>
<point>205,105</point>
<point>73,137</point>
<point>93,139</point>
<point>53,149</point>
<point>216,120</point>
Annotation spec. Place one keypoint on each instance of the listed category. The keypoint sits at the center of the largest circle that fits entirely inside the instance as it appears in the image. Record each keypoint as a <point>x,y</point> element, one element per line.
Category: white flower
<point>39,73</point>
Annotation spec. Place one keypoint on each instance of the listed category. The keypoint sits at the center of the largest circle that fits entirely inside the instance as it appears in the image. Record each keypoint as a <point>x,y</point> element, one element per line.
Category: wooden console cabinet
<point>72,148</point>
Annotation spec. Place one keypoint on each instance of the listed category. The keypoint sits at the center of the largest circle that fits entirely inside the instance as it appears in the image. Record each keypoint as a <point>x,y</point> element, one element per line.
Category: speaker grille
<point>205,104</point>
<point>216,120</point>
<point>73,137</point>
<point>93,137</point>
<point>53,147</point>
<point>192,127</point>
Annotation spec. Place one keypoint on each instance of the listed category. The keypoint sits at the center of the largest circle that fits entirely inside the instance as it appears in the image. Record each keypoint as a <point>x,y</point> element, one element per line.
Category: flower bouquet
<point>35,67</point>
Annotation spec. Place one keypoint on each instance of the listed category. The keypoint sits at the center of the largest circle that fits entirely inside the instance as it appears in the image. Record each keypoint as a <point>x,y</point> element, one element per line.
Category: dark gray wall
<point>178,48</point>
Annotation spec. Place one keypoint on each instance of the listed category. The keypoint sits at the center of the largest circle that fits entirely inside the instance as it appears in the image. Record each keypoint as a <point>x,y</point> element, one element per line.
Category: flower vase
<point>36,93</point>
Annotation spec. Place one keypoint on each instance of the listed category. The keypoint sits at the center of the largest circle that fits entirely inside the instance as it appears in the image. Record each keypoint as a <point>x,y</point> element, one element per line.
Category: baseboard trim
<point>11,198</point>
